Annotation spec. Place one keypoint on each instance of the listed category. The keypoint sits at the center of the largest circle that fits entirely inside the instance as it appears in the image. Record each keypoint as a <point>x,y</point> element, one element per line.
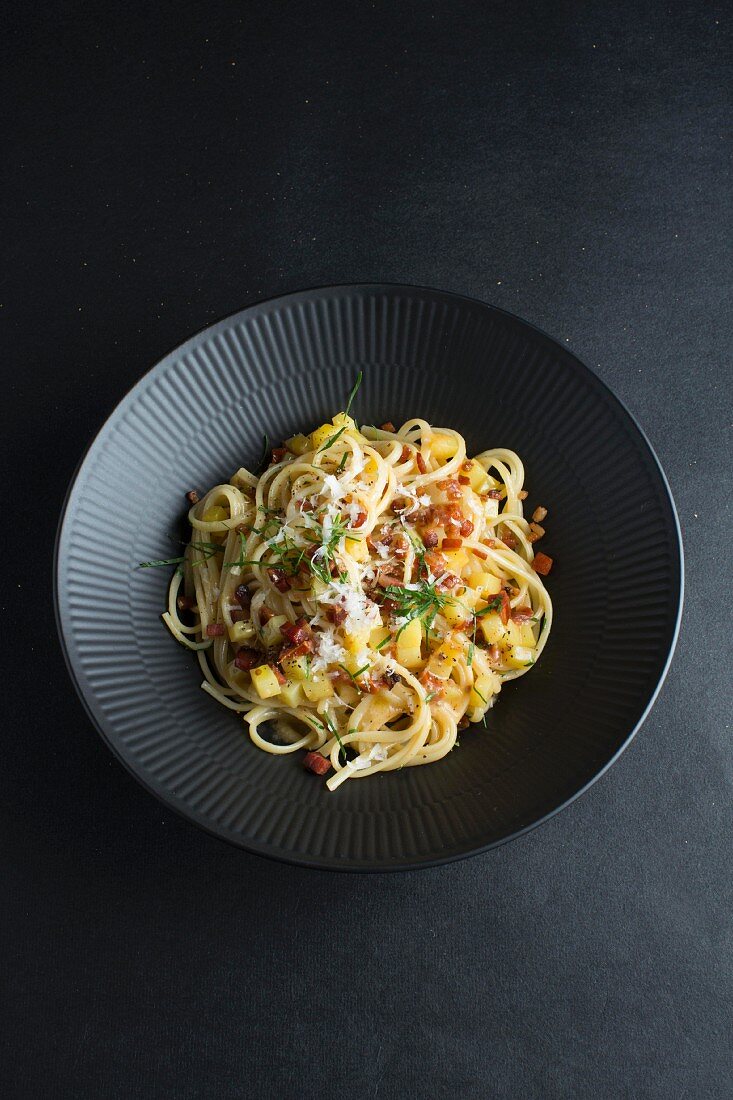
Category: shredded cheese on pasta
<point>366,596</point>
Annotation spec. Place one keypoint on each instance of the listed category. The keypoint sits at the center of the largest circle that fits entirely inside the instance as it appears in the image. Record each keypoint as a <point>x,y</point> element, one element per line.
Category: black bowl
<point>283,366</point>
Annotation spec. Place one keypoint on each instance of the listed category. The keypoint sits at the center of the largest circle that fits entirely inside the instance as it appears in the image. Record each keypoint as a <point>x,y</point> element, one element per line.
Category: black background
<point>170,163</point>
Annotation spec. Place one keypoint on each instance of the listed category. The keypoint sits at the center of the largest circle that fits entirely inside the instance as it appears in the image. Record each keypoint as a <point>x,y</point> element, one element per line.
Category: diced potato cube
<point>265,682</point>
<point>381,711</point>
<point>492,627</point>
<point>296,668</point>
<point>358,549</point>
<point>491,508</point>
<point>456,559</point>
<point>271,630</point>
<point>479,480</point>
<point>378,635</point>
<point>485,584</point>
<point>242,632</point>
<point>454,613</point>
<point>481,692</point>
<point>215,514</point>
<point>518,656</point>
<point>298,444</point>
<point>317,689</point>
<point>519,634</point>
<point>341,420</point>
<point>291,694</point>
<point>453,693</point>
<point>443,660</point>
<point>470,599</point>
<point>408,644</point>
<point>443,446</point>
<point>321,435</point>
<point>357,640</point>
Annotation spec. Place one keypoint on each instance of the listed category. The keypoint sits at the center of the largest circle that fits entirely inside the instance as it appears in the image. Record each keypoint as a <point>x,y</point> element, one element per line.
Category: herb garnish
<point>330,442</point>
<point>423,601</point>
<point>332,729</point>
<point>208,549</point>
<point>358,672</point>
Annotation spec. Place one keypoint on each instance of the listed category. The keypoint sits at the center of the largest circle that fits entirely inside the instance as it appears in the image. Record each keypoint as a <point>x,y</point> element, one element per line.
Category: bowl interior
<point>282,367</point>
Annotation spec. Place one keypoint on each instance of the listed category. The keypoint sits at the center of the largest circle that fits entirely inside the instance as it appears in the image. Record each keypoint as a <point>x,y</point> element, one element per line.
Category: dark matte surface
<point>168,165</point>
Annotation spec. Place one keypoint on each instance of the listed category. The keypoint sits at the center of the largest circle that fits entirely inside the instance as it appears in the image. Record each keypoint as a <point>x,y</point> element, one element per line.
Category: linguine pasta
<point>366,596</point>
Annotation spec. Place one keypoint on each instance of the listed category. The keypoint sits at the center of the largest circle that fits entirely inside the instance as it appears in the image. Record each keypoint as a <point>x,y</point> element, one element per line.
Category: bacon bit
<point>509,540</point>
<point>399,504</point>
<point>491,543</point>
<point>307,505</point>
<point>479,553</point>
<point>388,427</point>
<point>336,615</point>
<point>463,723</point>
<point>466,528</point>
<point>537,530</point>
<point>506,608</point>
<point>281,677</point>
<point>452,487</point>
<point>242,529</point>
<point>542,564</point>
<point>539,514</point>
<point>296,632</point>
<point>215,630</point>
<point>451,544</point>
<point>316,763</point>
<point>265,614</point>
<point>193,496</point>
<point>360,518</point>
<point>467,465</point>
<point>387,577</point>
<point>432,684</point>
<point>392,678</point>
<point>405,453</point>
<point>421,463</point>
<point>430,538</point>
<point>237,614</point>
<point>435,562</point>
<point>522,614</point>
<point>400,550</point>
<point>389,605</point>
<point>242,595</point>
<point>279,579</point>
<point>522,494</point>
<point>185,603</point>
<point>450,580</point>
<point>464,480</point>
<point>247,658</point>
<point>278,454</point>
<point>493,654</point>
<point>494,494</point>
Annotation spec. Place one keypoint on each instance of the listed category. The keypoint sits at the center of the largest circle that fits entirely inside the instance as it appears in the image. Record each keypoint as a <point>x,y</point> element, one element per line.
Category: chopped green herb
<point>483,700</point>
<point>265,449</point>
<point>421,602</point>
<point>384,642</point>
<point>493,605</point>
<point>358,672</point>
<point>332,730</point>
<point>352,395</point>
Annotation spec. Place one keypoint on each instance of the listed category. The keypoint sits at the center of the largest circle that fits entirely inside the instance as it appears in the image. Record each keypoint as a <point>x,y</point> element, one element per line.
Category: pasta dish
<point>366,596</point>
